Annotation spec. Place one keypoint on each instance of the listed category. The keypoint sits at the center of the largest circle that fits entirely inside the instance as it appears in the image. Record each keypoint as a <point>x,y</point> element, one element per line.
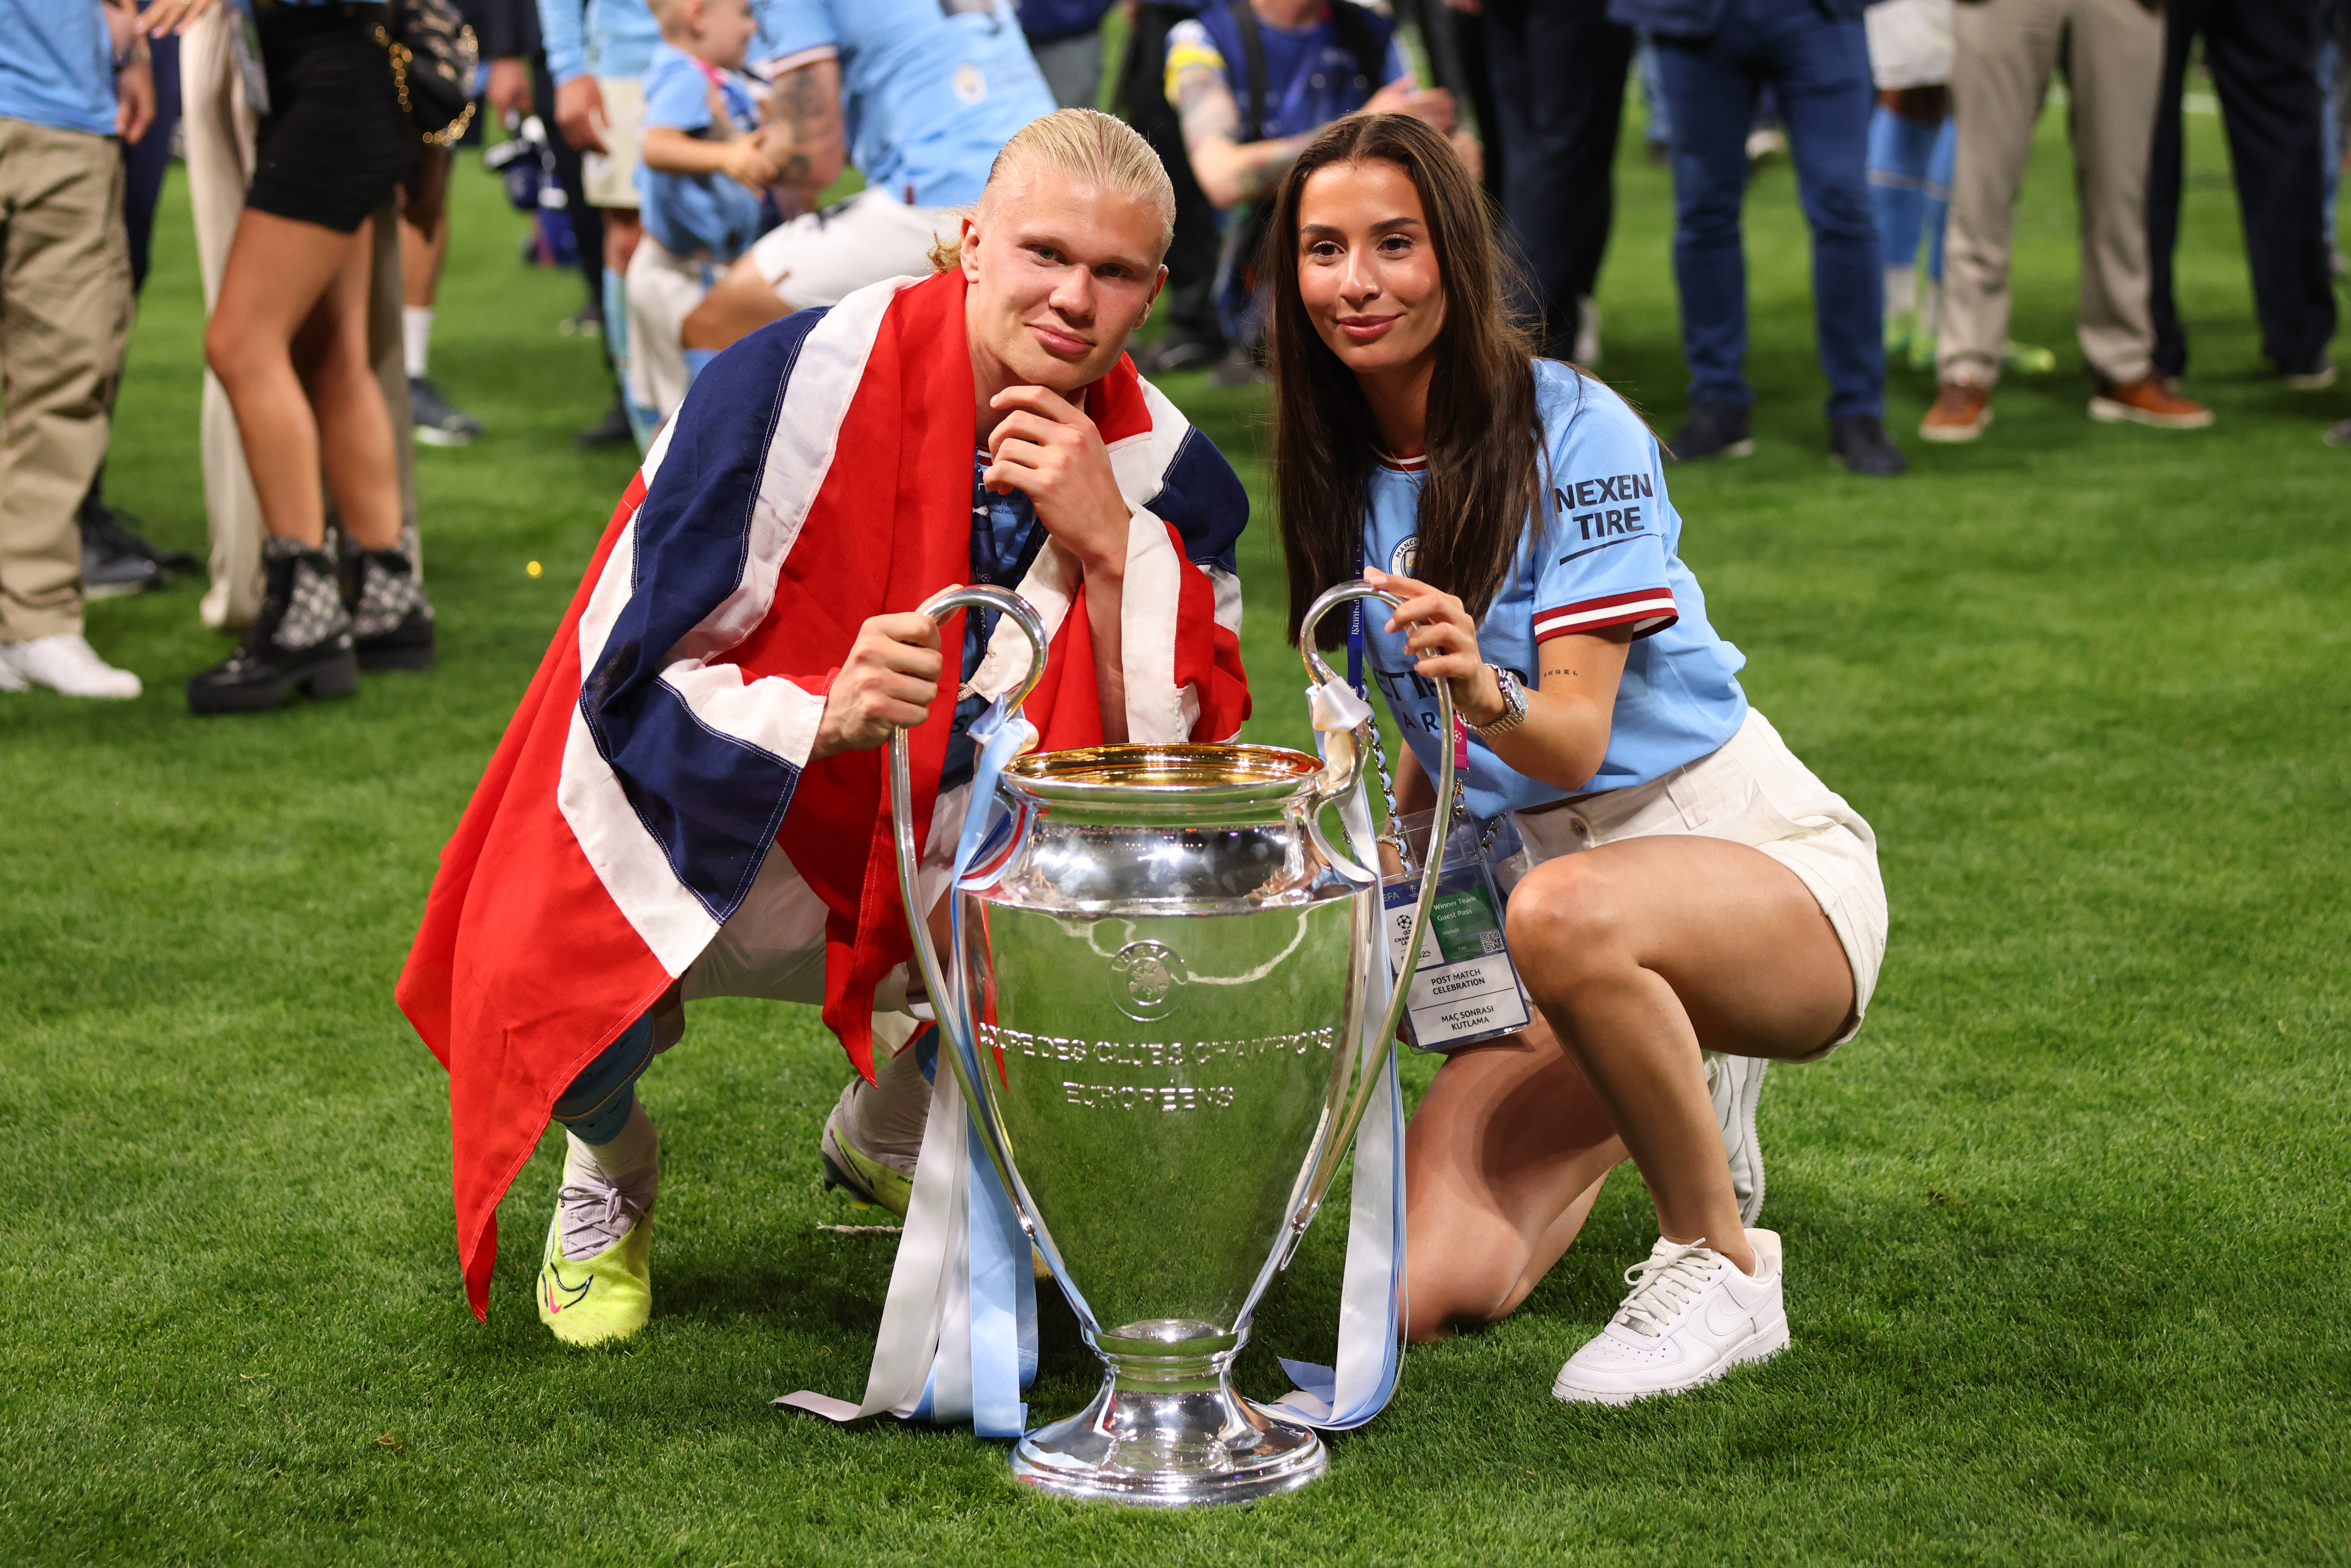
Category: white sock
<point>637,1147</point>
<point>892,1111</point>
<point>1901,291</point>
<point>416,337</point>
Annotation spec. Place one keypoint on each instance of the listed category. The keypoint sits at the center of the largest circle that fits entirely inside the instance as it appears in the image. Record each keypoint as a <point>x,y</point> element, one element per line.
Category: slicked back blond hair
<point>1085,144</point>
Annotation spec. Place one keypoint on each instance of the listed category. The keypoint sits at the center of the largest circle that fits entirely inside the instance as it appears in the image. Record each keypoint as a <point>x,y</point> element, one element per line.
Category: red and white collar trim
<point>1409,463</point>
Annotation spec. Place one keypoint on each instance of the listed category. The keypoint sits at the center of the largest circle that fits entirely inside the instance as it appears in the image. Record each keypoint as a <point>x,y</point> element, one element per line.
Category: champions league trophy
<point>1160,974</point>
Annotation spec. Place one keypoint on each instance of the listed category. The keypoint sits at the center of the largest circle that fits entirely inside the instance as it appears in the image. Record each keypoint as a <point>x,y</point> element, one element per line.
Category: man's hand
<point>1047,449</point>
<point>579,114</point>
<point>747,166</point>
<point>509,89</point>
<point>134,98</point>
<point>888,682</point>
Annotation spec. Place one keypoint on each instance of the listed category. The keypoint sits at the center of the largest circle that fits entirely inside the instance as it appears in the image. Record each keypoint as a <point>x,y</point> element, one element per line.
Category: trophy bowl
<point>1163,966</point>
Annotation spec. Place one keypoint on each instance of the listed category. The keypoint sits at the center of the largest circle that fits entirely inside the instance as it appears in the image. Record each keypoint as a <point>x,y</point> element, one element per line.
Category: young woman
<point>288,340</point>
<point>1702,905</point>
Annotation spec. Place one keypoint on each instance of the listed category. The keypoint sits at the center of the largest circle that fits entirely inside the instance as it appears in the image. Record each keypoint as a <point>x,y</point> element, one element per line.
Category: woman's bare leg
<point>354,427</point>
<point>279,270</point>
<point>1642,952</point>
<point>1502,1161</point>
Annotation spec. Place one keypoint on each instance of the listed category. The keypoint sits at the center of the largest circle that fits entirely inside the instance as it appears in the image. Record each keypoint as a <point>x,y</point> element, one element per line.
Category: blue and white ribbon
<point>958,1338</point>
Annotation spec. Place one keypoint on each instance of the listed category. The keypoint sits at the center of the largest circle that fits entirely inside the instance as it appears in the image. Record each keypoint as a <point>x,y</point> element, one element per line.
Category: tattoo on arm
<point>806,103</point>
<point>1212,118</point>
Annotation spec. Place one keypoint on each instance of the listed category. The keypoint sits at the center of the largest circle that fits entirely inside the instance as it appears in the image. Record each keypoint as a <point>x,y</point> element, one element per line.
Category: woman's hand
<point>167,16</point>
<point>1444,644</point>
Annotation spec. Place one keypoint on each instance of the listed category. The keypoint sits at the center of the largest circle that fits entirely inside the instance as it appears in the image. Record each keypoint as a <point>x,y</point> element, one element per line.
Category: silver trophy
<point>1166,972</point>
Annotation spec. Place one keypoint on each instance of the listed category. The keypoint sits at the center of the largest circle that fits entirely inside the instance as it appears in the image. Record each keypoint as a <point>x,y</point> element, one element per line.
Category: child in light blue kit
<point>705,183</point>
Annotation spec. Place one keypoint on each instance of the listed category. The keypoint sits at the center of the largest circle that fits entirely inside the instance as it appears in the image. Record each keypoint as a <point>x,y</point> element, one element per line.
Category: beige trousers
<point>219,144</point>
<point>65,311</point>
<point>2004,52</point>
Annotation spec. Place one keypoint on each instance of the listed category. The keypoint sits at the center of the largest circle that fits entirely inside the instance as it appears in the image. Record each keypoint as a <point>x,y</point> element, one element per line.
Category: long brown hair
<point>1484,435</point>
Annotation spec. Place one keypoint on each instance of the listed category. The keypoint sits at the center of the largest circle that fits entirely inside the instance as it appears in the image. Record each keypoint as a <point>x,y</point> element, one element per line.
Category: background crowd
<point>678,153</point>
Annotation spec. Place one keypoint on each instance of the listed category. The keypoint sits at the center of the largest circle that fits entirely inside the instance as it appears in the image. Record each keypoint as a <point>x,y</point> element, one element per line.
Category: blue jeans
<point>1818,70</point>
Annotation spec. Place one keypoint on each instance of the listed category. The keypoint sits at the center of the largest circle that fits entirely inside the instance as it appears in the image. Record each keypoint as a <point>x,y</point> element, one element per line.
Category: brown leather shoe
<point>1961,414</point>
<point>2148,402</point>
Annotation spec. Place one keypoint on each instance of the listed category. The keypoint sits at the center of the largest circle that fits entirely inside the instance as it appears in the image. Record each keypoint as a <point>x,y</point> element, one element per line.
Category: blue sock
<point>1940,163</point>
<point>597,1105</point>
<point>1900,150</point>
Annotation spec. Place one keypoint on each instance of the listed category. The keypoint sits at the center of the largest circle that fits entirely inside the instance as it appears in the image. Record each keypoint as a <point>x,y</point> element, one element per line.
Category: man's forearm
<point>1231,172</point>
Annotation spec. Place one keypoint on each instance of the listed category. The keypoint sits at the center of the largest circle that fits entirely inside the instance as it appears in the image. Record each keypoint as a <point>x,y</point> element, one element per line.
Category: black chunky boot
<point>302,637</point>
<point>392,620</point>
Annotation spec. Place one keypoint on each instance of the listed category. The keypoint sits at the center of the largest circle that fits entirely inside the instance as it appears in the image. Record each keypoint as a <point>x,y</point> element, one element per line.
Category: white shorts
<point>774,946</point>
<point>1752,789</point>
<point>664,288</point>
<point>1909,43</point>
<point>822,258</point>
<point>609,178</point>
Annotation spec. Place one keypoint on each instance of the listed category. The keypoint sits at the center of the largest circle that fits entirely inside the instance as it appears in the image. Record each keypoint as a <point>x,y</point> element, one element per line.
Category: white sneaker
<point>11,680</point>
<point>67,662</point>
<point>1691,1317</point>
<point>1736,1084</point>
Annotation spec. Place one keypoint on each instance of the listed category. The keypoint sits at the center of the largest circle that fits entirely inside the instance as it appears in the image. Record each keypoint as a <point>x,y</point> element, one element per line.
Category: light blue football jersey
<point>932,89</point>
<point>1604,553</point>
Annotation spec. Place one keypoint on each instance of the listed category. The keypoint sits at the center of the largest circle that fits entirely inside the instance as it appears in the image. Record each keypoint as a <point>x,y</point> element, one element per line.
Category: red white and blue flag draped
<point>819,473</point>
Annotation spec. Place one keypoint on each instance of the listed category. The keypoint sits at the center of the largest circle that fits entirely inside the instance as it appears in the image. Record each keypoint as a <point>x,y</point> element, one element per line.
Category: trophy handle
<point>944,997</point>
<point>1356,1095</point>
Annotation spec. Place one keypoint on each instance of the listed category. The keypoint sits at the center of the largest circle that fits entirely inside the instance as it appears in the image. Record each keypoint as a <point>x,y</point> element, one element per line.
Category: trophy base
<point>1151,1445</point>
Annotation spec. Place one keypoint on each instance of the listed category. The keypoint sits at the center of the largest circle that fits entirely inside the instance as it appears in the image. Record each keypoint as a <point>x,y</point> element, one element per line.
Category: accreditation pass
<point>1464,989</point>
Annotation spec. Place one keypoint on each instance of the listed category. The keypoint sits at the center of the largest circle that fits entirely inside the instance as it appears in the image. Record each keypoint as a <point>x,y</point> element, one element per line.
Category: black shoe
<point>1177,352</point>
<point>1712,430</point>
<point>1859,442</point>
<point>392,620</point>
<point>114,559</point>
<point>110,569</point>
<point>301,638</point>
<point>609,431</point>
<point>437,424</point>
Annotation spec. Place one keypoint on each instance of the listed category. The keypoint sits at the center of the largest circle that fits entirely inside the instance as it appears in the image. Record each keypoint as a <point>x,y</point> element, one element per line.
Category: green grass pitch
<point>2066,1225</point>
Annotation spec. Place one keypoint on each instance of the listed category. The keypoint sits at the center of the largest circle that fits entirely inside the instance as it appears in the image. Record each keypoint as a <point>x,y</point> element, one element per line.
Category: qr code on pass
<point>1491,939</point>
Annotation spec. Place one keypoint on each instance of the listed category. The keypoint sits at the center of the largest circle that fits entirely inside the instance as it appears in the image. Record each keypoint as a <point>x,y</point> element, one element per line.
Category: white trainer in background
<point>10,681</point>
<point>1691,1317</point>
<point>1736,1082</point>
<point>66,663</point>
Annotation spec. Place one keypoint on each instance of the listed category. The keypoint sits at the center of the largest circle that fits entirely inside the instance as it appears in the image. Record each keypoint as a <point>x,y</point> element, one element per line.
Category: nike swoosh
<point>574,1293</point>
<point>1740,1320</point>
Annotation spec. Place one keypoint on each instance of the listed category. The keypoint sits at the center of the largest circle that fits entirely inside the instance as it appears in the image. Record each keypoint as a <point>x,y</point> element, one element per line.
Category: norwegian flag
<point>819,473</point>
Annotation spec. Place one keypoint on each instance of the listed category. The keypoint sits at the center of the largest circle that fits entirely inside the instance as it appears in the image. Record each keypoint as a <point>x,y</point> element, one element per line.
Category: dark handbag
<point>434,58</point>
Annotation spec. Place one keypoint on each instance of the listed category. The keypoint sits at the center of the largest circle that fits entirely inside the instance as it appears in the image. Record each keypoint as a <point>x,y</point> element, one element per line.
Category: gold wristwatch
<point>1514,706</point>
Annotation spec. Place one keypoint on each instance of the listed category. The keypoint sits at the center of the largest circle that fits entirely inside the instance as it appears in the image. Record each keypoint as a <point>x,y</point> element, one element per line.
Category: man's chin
<point>1037,368</point>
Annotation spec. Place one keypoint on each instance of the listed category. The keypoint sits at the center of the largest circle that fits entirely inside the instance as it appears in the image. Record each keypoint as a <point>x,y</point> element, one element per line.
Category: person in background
<point>422,255</point>
<point>1255,81</point>
<point>703,184</point>
<point>1912,141</point>
<point>115,558</point>
<point>1715,58</point>
<point>1066,37</point>
<point>2003,55</point>
<point>1192,338</point>
<point>1558,73</point>
<point>288,340</point>
<point>597,51</point>
<point>920,98</point>
<point>2263,55</point>
<point>71,96</point>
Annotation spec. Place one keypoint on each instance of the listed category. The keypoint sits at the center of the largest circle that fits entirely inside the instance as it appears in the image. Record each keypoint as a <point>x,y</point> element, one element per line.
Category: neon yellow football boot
<point>869,1181</point>
<point>595,1278</point>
